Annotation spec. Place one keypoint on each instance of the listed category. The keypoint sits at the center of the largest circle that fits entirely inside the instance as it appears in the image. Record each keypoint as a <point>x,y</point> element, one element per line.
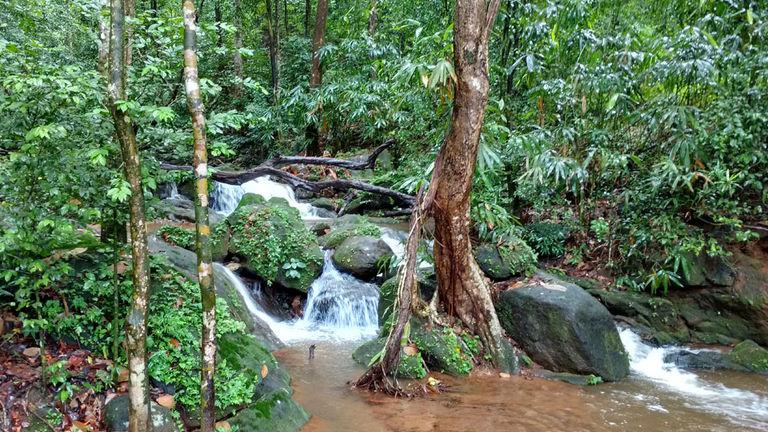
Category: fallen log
<point>269,168</point>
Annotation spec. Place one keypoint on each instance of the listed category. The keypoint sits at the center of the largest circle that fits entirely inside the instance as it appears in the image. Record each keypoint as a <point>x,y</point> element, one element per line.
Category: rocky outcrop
<point>747,356</point>
<point>361,256</point>
<point>563,328</point>
<point>272,242</point>
<point>513,257</point>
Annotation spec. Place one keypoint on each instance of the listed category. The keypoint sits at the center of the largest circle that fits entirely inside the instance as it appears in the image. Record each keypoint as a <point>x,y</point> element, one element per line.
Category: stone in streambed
<point>563,328</point>
<point>750,356</point>
<point>361,256</point>
<point>410,366</point>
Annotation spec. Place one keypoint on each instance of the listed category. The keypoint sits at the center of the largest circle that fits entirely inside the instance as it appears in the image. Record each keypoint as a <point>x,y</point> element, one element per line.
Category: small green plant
<point>600,228</point>
<point>594,380</point>
<point>292,268</point>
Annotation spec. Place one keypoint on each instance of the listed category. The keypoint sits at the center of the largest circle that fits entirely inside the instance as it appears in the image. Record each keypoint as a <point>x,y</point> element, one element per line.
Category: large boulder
<point>513,257</point>
<point>361,256</point>
<point>563,328</point>
<point>750,356</point>
<point>116,416</point>
<point>708,270</point>
<point>709,314</point>
<point>274,244</point>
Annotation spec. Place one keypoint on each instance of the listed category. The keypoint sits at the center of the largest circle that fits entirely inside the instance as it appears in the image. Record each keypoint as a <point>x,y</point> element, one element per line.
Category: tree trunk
<point>273,30</point>
<point>377,377</point>
<point>202,245</point>
<point>316,134</point>
<point>237,60</point>
<point>316,74</point>
<point>464,292</point>
<point>307,13</point>
<point>136,323</point>
<point>285,16</point>
<point>373,18</point>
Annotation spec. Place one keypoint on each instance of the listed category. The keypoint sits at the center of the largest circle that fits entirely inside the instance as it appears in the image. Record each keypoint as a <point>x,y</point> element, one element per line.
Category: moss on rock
<point>511,258</point>
<point>410,366</point>
<point>275,244</point>
<point>342,232</point>
<point>751,356</point>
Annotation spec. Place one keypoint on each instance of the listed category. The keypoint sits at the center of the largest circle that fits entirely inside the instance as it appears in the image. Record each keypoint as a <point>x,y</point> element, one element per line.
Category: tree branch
<point>269,168</point>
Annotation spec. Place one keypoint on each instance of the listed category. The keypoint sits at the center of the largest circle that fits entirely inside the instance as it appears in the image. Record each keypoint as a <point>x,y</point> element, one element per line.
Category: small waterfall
<point>341,303</point>
<point>395,240</point>
<point>647,362</point>
<point>225,197</point>
<point>338,307</point>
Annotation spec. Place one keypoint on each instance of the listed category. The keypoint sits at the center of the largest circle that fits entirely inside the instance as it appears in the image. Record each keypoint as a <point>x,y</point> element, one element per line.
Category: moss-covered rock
<point>442,349</point>
<point>116,416</point>
<point>501,261</point>
<point>340,232</point>
<point>275,244</point>
<point>250,199</point>
<point>361,256</point>
<point>410,366</point>
<point>563,328</point>
<point>220,236</point>
<point>751,356</point>
<point>325,203</point>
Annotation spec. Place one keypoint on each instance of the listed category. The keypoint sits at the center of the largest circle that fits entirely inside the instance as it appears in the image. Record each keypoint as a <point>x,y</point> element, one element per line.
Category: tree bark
<point>378,376</point>
<point>273,30</point>
<point>373,18</point>
<point>464,292</point>
<point>316,134</point>
<point>136,323</point>
<point>203,231</point>
<point>316,74</point>
<point>237,60</point>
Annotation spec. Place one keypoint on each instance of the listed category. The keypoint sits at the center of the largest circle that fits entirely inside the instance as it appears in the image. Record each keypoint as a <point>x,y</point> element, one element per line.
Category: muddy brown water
<point>483,402</point>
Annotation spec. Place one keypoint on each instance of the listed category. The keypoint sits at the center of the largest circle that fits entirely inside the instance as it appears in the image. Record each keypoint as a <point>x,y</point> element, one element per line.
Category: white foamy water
<point>739,406</point>
<point>225,197</point>
<point>339,307</point>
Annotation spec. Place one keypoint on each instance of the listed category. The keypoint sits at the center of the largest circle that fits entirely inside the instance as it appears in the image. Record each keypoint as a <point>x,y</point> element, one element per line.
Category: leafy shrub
<point>516,254</point>
<point>177,236</point>
<point>547,238</point>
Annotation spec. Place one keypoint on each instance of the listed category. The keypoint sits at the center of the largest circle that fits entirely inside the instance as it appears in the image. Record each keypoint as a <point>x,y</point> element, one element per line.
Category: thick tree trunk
<point>202,245</point>
<point>464,292</point>
<point>237,60</point>
<point>317,134</point>
<point>136,323</point>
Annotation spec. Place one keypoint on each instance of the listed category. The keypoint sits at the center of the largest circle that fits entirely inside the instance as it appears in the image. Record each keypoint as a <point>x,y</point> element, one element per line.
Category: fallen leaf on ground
<point>166,401</point>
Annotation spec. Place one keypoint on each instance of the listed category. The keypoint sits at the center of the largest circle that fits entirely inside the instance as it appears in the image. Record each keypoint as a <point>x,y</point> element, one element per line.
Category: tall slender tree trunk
<point>316,73</point>
<point>373,18</point>
<point>464,292</point>
<point>307,14</point>
<point>237,60</point>
<point>285,16</point>
<point>273,30</point>
<point>136,323</point>
<point>202,244</point>
<point>314,133</point>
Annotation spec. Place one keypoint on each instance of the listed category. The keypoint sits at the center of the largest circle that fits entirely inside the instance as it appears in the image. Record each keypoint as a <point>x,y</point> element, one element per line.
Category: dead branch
<point>270,168</point>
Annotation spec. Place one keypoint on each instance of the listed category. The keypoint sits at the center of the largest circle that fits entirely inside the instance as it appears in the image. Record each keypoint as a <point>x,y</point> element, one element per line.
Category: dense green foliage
<point>641,126</point>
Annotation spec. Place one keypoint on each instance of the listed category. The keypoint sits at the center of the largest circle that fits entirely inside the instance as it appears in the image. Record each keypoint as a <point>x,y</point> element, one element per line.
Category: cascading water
<point>741,407</point>
<point>339,307</point>
<point>225,197</point>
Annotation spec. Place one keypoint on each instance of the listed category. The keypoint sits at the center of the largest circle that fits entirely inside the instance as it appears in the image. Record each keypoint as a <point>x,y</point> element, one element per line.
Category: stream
<point>340,314</point>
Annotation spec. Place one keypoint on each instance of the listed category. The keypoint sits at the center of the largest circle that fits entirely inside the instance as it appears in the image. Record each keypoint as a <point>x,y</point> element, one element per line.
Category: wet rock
<point>570,378</point>
<point>186,262</point>
<point>702,359</point>
<point>410,366</point>
<point>750,356</point>
<point>183,210</point>
<point>325,203</point>
<point>361,256</point>
<point>116,416</point>
<point>500,262</point>
<point>563,328</point>
<point>275,245</point>
<point>709,271</point>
